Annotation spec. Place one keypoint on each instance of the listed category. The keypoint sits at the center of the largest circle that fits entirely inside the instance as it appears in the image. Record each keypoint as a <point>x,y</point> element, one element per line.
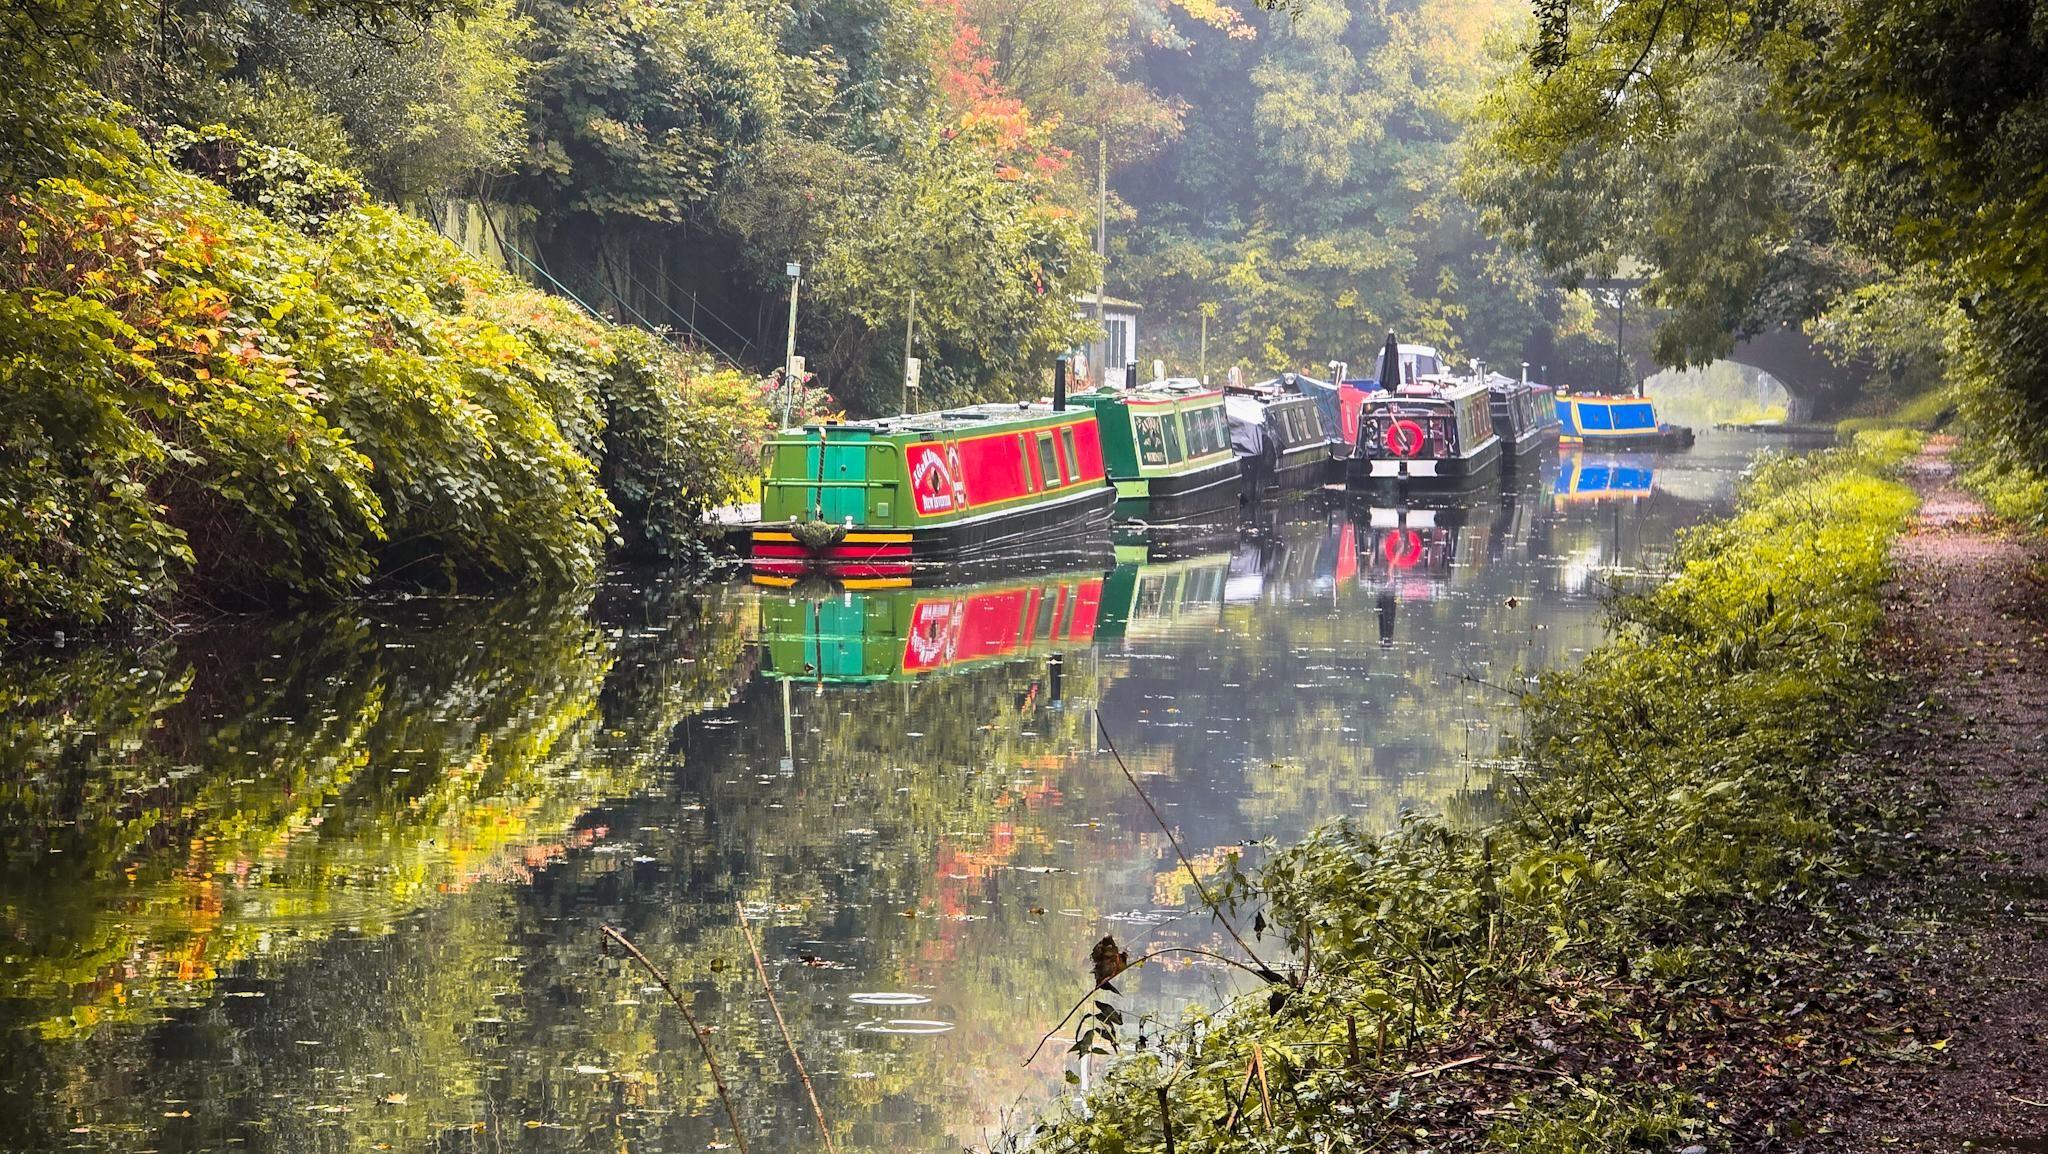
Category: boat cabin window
<point>1151,440</point>
<point>1594,417</point>
<point>1024,459</point>
<point>1219,430</point>
<point>1048,464</point>
<point>1073,458</point>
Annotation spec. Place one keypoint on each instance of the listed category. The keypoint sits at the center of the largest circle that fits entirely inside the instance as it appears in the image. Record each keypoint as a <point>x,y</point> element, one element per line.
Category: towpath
<point>1967,736</point>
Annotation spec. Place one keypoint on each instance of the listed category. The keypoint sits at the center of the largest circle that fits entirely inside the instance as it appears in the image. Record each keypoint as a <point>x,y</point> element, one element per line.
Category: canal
<point>335,882</point>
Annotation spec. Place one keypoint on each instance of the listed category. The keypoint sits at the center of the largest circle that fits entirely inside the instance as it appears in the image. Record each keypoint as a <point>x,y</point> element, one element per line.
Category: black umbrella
<point>1390,364</point>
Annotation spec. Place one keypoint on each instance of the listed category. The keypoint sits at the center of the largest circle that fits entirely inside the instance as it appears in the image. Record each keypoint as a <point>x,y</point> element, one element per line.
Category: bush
<point>258,383</point>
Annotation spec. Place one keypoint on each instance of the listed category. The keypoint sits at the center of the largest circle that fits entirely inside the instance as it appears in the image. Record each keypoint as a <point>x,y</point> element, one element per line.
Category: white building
<point>1118,346</point>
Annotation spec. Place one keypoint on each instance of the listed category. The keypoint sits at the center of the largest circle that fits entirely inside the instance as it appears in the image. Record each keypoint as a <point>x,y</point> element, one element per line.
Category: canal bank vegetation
<point>1643,930</point>
<point>233,376</point>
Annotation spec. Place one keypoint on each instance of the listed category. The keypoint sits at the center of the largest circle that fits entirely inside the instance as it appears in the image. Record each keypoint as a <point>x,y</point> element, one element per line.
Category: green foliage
<point>420,110</point>
<point>297,391</point>
<point>1313,198</point>
<point>641,109</point>
<point>993,264</point>
<point>1665,795</point>
<point>283,185</point>
<point>1870,167</point>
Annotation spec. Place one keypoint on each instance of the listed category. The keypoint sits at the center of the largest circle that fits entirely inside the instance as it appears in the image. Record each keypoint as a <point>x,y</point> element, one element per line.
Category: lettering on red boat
<point>937,478</point>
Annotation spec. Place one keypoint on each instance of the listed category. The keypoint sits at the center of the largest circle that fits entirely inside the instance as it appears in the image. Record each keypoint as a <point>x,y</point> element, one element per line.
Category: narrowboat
<point>1281,431</point>
<point>1425,429</point>
<point>1432,434</point>
<point>909,634</point>
<point>1524,415</point>
<point>1166,448</point>
<point>1617,422</point>
<point>870,502</point>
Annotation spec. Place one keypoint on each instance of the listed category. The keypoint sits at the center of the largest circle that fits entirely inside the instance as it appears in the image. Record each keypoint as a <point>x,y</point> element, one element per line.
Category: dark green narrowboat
<point>1166,448</point>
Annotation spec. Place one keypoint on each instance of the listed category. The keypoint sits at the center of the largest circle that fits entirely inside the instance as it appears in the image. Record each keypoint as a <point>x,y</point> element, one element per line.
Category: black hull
<point>1185,494</point>
<point>1675,437</point>
<point>1448,473</point>
<point>1302,467</point>
<point>1028,528</point>
<point>1534,440</point>
<point>1533,444</point>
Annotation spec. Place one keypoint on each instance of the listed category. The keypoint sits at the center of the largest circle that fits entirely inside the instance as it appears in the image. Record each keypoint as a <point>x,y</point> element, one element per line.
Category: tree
<point>1893,159</point>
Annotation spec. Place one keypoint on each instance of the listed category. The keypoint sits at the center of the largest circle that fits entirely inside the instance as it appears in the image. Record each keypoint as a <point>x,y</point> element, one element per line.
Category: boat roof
<point>1154,393</point>
<point>945,420</point>
<point>1429,389</point>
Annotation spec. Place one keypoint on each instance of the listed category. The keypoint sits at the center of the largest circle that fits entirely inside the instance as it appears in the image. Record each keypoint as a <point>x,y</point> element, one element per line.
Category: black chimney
<point>1131,375</point>
<point>1060,368</point>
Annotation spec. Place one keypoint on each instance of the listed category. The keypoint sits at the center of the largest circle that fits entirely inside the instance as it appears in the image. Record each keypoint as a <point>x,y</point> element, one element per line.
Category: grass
<point>1638,954</point>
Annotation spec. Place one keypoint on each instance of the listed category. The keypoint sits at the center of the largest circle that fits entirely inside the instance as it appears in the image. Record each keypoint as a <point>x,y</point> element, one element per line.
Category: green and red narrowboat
<point>1166,448</point>
<point>869,502</point>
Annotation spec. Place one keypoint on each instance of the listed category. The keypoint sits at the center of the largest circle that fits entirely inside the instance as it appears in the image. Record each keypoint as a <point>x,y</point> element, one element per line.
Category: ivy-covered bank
<point>228,376</point>
<point>1639,953</point>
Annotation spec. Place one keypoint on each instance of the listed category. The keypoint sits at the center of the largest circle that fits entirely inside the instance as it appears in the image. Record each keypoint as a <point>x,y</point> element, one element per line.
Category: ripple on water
<point>889,998</point>
<point>906,1026</point>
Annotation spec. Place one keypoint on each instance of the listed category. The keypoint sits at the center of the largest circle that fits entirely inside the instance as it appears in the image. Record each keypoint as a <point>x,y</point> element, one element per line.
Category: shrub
<point>257,382</point>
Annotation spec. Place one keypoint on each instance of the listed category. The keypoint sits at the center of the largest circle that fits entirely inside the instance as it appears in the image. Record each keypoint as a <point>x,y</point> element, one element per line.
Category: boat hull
<point>1070,527</point>
<point>1530,444</point>
<point>1302,467</point>
<point>1670,437</point>
<point>1178,495</point>
<point>1461,472</point>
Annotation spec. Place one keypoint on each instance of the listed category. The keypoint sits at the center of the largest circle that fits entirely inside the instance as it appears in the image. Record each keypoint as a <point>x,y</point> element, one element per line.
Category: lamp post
<point>789,368</point>
<point>1208,310</point>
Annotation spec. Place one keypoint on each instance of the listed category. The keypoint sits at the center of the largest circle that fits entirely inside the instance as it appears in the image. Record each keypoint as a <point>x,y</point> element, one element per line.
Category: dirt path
<point>1968,734</point>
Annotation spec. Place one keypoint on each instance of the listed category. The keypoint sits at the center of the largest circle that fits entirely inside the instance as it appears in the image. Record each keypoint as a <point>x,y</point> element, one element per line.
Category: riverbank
<point>1967,897</point>
<point>1655,944</point>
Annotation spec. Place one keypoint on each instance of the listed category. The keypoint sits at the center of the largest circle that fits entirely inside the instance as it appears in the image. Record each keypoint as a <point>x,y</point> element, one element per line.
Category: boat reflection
<point>898,634</point>
<point>1605,476</point>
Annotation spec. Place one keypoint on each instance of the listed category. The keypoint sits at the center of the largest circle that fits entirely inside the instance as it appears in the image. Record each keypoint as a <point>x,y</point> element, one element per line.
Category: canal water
<point>336,882</point>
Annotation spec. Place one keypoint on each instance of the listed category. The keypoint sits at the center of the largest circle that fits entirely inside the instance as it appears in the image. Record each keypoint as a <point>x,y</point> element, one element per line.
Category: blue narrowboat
<point>1617,422</point>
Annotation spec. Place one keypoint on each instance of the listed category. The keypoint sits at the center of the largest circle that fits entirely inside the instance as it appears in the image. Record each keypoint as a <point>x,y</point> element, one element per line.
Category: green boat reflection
<point>906,634</point>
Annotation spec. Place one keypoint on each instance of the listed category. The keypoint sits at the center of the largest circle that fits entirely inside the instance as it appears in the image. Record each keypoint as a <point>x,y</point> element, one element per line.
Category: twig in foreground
<point>739,1137</point>
<point>1263,970</point>
<point>824,1130</point>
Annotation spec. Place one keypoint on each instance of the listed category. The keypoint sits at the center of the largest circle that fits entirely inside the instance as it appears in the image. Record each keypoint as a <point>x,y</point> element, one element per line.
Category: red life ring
<point>1402,548</point>
<point>1404,438</point>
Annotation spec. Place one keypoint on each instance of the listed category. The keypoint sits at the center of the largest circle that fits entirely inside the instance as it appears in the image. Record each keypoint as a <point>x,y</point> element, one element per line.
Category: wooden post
<point>1166,1118</point>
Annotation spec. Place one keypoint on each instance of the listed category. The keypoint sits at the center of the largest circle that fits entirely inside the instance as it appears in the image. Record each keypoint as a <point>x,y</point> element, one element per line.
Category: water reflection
<point>335,883</point>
